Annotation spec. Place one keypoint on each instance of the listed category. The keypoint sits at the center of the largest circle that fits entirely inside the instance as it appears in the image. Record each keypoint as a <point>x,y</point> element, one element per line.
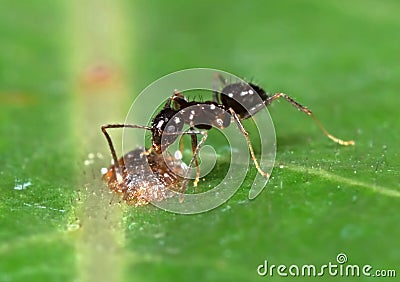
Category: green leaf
<point>68,67</point>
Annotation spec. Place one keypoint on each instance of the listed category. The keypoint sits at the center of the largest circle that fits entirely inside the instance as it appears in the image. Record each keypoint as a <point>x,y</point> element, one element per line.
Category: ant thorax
<point>204,115</point>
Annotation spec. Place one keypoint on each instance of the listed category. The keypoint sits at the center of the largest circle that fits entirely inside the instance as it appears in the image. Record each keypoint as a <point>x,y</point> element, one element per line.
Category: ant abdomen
<point>245,99</point>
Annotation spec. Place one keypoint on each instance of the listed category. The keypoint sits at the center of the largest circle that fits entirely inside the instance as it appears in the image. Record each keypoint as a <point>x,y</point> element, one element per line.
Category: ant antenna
<point>308,112</point>
<point>118,168</point>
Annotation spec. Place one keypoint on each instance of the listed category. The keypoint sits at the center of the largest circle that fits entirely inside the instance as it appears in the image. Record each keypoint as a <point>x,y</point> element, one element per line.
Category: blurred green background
<point>66,67</point>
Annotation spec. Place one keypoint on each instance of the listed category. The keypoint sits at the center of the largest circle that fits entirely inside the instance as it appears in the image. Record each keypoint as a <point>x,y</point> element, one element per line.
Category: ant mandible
<point>241,100</point>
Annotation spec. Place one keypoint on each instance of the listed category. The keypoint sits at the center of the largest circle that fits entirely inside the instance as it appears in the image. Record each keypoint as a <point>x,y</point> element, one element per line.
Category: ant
<point>240,100</point>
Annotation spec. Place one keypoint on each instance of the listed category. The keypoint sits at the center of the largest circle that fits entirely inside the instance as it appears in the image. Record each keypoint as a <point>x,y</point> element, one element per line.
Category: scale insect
<point>145,177</point>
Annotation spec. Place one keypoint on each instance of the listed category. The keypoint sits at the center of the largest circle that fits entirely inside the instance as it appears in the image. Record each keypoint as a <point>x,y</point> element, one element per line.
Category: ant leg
<point>220,78</point>
<point>178,99</point>
<point>246,135</point>
<point>308,112</point>
<point>170,99</point>
<point>104,128</point>
<point>195,150</point>
<point>194,147</point>
<point>177,93</point>
<point>181,145</point>
<point>194,159</point>
<point>176,96</point>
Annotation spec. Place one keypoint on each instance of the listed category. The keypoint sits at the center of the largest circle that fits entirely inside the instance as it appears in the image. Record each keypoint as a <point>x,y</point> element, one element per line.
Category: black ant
<point>240,100</point>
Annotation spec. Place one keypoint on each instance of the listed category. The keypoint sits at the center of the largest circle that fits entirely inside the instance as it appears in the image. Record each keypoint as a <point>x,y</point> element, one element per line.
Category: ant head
<point>244,98</point>
<point>165,129</point>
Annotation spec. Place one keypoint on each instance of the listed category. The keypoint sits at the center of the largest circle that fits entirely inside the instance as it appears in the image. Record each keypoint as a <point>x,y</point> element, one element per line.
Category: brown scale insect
<point>146,177</point>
